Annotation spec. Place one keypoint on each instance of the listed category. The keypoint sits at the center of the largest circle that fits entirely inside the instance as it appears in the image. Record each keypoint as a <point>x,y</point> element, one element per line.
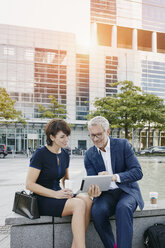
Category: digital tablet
<point>103,181</point>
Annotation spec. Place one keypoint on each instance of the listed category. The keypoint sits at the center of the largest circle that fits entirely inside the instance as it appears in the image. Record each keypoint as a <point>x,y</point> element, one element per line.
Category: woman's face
<point>60,140</point>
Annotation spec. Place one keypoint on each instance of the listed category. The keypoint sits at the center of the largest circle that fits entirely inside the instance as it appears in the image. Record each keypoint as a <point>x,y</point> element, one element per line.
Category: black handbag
<point>26,205</point>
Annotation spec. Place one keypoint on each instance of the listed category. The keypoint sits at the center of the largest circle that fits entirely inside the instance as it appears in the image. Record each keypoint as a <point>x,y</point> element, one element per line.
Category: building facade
<point>127,43</point>
<point>35,64</point>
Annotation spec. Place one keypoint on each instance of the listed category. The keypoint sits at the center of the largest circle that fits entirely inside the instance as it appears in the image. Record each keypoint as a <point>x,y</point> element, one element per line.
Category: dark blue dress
<point>52,167</point>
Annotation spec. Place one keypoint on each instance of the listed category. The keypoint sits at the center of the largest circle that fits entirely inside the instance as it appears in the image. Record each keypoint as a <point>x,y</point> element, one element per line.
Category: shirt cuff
<point>118,178</point>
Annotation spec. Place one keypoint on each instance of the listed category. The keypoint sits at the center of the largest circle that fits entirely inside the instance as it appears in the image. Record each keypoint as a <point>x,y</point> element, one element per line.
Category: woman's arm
<point>31,185</point>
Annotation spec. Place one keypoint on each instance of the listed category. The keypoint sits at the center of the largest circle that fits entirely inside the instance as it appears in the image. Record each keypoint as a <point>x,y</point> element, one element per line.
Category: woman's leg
<point>76,207</point>
<point>88,203</point>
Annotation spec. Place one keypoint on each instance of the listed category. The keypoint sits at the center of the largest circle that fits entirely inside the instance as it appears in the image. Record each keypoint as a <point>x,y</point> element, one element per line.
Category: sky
<point>60,15</point>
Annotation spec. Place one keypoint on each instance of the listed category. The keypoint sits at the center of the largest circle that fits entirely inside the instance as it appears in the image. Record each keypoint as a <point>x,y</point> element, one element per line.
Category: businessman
<point>113,156</point>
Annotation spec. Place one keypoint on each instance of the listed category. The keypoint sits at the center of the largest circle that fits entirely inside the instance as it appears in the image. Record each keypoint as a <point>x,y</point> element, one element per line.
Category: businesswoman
<point>48,166</point>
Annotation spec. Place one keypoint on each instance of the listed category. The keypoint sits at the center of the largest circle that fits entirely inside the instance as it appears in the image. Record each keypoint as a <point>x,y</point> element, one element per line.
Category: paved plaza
<point>12,178</point>
<point>13,174</point>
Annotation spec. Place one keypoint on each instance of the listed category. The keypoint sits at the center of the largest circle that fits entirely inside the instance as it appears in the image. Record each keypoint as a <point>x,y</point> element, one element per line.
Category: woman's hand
<point>63,194</point>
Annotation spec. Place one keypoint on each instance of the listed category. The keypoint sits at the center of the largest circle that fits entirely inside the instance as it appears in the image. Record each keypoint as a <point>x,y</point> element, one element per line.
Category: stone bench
<point>53,232</point>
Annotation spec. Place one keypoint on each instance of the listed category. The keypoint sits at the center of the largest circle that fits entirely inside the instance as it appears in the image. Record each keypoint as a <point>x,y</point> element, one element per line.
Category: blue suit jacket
<point>124,163</point>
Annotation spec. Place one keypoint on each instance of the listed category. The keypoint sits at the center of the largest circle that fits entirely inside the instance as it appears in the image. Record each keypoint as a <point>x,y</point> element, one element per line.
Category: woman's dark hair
<point>53,127</point>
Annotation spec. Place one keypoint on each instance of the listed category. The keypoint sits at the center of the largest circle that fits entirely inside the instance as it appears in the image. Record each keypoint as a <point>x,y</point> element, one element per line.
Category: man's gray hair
<point>99,120</point>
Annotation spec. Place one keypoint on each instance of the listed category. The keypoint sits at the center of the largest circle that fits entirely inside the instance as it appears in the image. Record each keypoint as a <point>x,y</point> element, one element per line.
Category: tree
<point>55,110</point>
<point>122,110</point>
<point>7,110</point>
<point>153,114</point>
<point>130,108</point>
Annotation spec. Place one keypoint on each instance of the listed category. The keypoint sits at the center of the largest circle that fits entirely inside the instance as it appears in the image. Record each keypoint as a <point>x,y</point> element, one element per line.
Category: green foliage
<point>7,110</point>
<point>130,108</point>
<point>153,110</point>
<point>56,110</point>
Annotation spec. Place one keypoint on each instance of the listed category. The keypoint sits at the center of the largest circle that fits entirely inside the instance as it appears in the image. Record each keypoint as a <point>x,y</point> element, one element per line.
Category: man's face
<point>98,135</point>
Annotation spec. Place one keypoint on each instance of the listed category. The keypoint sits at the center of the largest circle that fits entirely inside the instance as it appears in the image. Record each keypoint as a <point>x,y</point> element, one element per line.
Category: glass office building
<point>134,32</point>
<point>35,64</point>
<point>127,43</point>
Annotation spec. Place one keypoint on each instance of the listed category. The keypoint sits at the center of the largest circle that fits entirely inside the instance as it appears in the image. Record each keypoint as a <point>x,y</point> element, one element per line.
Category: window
<point>103,11</point>
<point>161,42</point>
<point>9,50</point>
<point>124,37</point>
<point>111,64</point>
<point>50,75</point>
<point>82,86</point>
<point>144,40</point>
<point>82,144</point>
<point>104,34</point>
<point>153,77</point>
<point>29,54</point>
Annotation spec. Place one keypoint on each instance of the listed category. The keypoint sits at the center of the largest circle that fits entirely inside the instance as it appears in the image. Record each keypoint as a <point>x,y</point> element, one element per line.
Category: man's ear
<point>108,131</point>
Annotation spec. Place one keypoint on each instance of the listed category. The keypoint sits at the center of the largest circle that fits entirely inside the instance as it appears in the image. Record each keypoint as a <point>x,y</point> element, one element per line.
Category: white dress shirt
<point>107,161</point>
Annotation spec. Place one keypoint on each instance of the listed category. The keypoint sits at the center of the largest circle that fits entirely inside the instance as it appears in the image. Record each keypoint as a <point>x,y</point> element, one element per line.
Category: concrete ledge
<point>16,220</point>
<point>56,232</point>
<point>28,236</point>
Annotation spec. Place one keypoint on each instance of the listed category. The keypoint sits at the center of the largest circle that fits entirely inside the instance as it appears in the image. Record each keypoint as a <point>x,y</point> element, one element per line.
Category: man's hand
<point>103,173</point>
<point>114,177</point>
<point>94,191</point>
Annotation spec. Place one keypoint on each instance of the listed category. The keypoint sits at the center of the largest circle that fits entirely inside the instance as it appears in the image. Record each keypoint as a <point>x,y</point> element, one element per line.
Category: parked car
<point>68,149</point>
<point>3,151</point>
<point>152,150</point>
<point>78,151</point>
<point>9,149</point>
<point>158,149</point>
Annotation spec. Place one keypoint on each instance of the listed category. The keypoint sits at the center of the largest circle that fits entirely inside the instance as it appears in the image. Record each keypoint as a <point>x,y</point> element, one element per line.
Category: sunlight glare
<point>83,40</point>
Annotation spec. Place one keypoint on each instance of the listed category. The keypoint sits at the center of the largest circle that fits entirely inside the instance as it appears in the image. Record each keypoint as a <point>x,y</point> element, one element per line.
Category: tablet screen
<point>103,181</point>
